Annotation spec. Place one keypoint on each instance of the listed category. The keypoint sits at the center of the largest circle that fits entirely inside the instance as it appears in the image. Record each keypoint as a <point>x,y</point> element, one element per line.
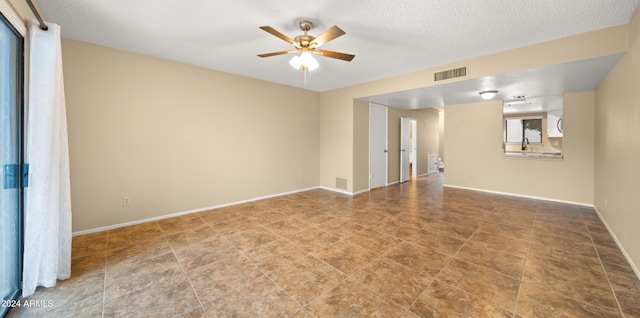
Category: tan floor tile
<point>500,243</point>
<point>139,251</point>
<point>536,301</point>
<point>422,259</point>
<point>312,239</point>
<point>572,275</point>
<point>88,265</point>
<point>575,242</point>
<point>373,240</point>
<point>286,226</point>
<point>442,300</point>
<point>626,286</point>
<point>629,302</point>
<point>266,216</point>
<point>437,241</point>
<point>346,256</point>
<point>341,227</point>
<point>89,245</point>
<point>232,226</point>
<point>522,216</point>
<point>622,277</point>
<point>134,234</point>
<point>351,299</point>
<point>181,223</point>
<point>397,227</point>
<point>192,236</point>
<point>196,255</point>
<point>74,297</point>
<point>507,230</point>
<point>219,215</point>
<point>216,279</point>
<point>306,279</point>
<point>172,297</point>
<point>407,283</point>
<point>259,298</point>
<point>490,286</point>
<point>496,260</point>
<point>251,238</point>
<point>127,277</point>
<point>269,255</point>
<point>459,231</point>
<point>611,254</point>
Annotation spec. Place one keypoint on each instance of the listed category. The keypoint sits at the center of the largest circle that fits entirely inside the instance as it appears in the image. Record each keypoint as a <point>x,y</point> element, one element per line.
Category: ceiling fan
<point>306,45</point>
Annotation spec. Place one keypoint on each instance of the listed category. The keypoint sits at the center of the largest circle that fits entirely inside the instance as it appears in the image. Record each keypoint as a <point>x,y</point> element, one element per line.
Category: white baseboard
<point>167,216</point>
<point>624,252</point>
<point>520,195</point>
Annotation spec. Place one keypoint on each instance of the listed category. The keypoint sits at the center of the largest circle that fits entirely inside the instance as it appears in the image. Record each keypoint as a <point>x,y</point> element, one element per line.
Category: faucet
<point>525,142</point>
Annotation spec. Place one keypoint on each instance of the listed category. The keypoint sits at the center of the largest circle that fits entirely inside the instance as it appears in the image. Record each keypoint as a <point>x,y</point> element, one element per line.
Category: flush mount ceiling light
<point>488,94</point>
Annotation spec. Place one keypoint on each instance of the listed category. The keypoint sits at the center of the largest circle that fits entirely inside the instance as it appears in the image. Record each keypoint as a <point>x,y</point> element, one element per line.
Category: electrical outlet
<point>126,201</point>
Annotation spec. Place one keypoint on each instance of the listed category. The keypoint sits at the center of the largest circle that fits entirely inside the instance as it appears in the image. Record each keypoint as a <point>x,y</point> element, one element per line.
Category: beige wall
<point>176,138</point>
<point>617,148</point>
<point>361,149</point>
<point>473,137</point>
<point>337,114</point>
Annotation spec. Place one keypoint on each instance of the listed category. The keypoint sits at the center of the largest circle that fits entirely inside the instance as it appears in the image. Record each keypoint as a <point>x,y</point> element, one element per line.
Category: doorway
<point>408,148</point>
<point>378,146</point>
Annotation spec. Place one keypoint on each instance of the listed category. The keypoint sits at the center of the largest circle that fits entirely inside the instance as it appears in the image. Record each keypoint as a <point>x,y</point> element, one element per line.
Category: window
<point>519,129</point>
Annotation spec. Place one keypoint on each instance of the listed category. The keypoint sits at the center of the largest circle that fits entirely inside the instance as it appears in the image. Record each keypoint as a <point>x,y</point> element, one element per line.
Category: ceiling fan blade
<point>335,55</point>
<point>332,33</point>
<point>277,53</point>
<point>277,34</point>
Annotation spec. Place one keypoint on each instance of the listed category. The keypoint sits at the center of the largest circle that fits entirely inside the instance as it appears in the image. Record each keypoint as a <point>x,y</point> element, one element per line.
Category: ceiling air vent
<point>448,74</point>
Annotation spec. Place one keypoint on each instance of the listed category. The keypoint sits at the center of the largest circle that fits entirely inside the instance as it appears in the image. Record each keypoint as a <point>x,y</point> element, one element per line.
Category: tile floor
<point>408,250</point>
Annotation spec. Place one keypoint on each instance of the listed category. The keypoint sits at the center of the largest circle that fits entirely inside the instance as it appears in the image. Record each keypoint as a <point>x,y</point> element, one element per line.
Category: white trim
<point>361,191</point>
<point>393,182</point>
<point>626,255</point>
<point>426,174</point>
<point>10,13</point>
<point>521,195</point>
<point>167,216</point>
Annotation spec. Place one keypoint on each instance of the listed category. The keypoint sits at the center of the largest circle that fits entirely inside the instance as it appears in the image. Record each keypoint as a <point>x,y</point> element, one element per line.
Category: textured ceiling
<point>388,37</point>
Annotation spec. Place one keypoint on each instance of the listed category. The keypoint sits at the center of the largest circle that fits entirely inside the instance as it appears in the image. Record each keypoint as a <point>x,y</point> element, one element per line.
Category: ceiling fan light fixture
<point>486,95</point>
<point>296,62</point>
<point>304,62</point>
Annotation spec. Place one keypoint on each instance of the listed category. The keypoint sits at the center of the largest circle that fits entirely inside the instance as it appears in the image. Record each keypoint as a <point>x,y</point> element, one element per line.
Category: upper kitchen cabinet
<point>554,124</point>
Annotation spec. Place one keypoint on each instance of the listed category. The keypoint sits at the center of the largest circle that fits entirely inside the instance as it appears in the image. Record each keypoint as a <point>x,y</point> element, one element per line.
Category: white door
<point>414,148</point>
<point>405,130</point>
<point>377,146</point>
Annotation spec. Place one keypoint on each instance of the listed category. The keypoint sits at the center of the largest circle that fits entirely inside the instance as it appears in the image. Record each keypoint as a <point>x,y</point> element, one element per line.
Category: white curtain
<point>47,242</point>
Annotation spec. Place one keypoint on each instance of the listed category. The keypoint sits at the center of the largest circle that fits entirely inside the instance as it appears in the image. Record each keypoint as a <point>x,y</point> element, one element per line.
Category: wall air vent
<point>341,183</point>
<point>448,74</point>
